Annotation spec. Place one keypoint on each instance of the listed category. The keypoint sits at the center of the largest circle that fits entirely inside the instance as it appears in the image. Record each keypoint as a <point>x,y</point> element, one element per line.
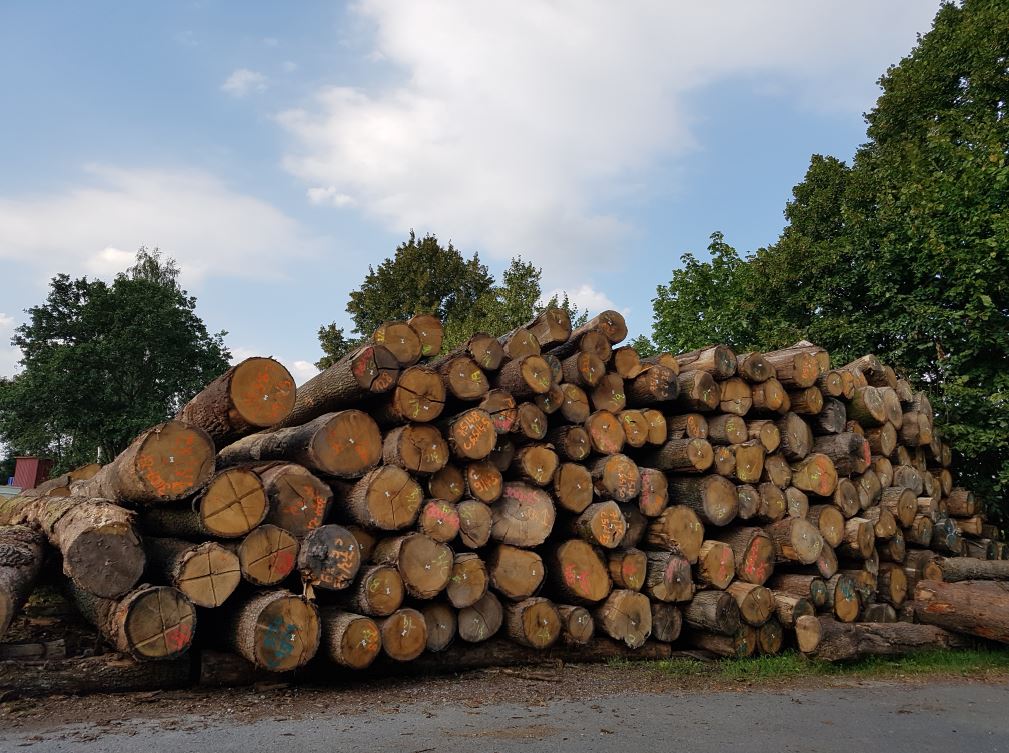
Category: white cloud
<point>330,196</point>
<point>289,66</point>
<point>540,114</point>
<point>6,322</point>
<point>243,82</point>
<point>96,227</point>
<point>302,371</point>
<point>586,298</point>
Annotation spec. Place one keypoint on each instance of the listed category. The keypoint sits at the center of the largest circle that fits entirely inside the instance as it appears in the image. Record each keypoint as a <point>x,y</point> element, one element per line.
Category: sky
<point>278,149</point>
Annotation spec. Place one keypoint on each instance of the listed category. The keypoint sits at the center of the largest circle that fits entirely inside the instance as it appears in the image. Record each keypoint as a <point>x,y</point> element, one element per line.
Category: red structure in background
<point>30,471</point>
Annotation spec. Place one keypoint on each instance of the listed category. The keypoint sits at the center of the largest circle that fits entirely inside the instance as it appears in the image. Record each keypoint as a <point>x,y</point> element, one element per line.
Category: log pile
<point>549,488</point>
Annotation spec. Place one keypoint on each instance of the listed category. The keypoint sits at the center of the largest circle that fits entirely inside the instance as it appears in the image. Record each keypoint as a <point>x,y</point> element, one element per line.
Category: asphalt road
<point>874,717</point>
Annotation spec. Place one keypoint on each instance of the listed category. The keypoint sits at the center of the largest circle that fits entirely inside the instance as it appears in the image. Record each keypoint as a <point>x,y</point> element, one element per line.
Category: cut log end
<point>262,391</point>
<point>174,461</point>
<point>267,555</point>
<point>160,623</point>
<point>234,503</point>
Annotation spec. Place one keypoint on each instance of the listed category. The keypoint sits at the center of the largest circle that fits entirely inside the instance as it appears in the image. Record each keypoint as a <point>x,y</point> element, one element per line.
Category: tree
<point>903,253</point>
<point>101,362</point>
<point>425,277</point>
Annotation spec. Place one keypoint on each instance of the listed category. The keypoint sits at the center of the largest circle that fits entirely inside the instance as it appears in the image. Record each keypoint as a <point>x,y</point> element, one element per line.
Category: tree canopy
<point>425,277</point>
<point>904,253</point>
<point>101,362</point>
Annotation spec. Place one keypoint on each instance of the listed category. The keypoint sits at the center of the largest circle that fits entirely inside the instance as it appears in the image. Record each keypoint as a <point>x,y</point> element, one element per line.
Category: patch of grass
<point>792,664</point>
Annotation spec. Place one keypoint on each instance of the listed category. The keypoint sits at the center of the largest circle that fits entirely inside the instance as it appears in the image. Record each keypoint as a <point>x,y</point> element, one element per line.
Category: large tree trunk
<point>840,641</point>
<point>108,673</point>
<point>351,640</point>
<point>231,505</point>
<point>345,444</point>
<point>956,569</point>
<point>149,623</point>
<point>253,394</point>
<point>978,608</point>
<point>21,553</point>
<point>102,552</point>
<point>370,370</point>
<point>206,573</point>
<point>167,462</point>
<point>274,630</point>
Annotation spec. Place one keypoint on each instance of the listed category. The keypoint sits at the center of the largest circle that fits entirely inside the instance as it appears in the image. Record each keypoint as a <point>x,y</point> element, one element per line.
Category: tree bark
<point>369,370</point>
<point>166,463</point>
<point>849,642</point>
<point>345,444</point>
<point>102,552</point>
<point>251,395</point>
<point>21,553</point>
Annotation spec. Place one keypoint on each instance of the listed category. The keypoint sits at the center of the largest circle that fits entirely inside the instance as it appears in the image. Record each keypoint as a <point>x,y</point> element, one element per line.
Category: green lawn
<point>792,664</point>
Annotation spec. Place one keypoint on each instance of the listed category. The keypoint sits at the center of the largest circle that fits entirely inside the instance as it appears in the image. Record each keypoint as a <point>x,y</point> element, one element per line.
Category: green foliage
<point>902,254</point>
<point>425,277</point>
<point>101,362</point>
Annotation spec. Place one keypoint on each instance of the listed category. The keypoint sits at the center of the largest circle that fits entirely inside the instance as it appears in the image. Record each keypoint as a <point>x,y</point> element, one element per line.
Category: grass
<point>793,665</point>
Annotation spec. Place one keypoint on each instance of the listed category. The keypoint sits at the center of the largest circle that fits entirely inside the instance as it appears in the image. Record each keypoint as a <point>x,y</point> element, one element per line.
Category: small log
<point>616,477</point>
<point>677,529</point>
<point>955,569</point>
<point>796,437</point>
<point>635,427</point>
<point>849,452</point>
<point>884,470</point>
<point>892,583</point>
<point>378,591</point>
<point>401,340</point>
<point>609,394</point>
<point>470,434</point>
<point>627,362</point>
<point>419,448</point>
<point>794,369</point>
<point>298,500</point>
<point>770,637</point>
<point>206,573</point>
<point>849,642</point>
<point>577,625</point>
<point>601,524</point>
<point>795,540</point>
<point>469,580</point>
<point>533,622</point>
<point>869,488</point>
<point>717,360</point>
<point>571,442</point>
<point>386,498</point>
<point>550,327</point>
<point>525,377</point>
<point>345,444</point>
<point>714,611</point>
<point>150,623</point>
<point>653,386</point>
<point>815,474</point>
<point>251,395</point>
<point>777,471</point>
<point>667,622</point>
<point>429,331</point>
<point>404,634</point>
<point>329,558</point>
<point>829,521</point>
<point>884,525</point>
<point>740,645</point>
<point>102,551</point>
<point>419,396</point>
<point>716,565</point>
<point>480,621</point>
<point>807,401</point>
<point>727,429</point>
<point>843,597</point>
<point>425,565</point>
<point>627,568</point>
<point>769,397</point>
<point>697,390</point>
<point>735,397</point>
<point>658,429</point>
<point>475,523</point>
<point>462,377</point>
<point>753,553</point>
<point>515,573</point>
<point>893,549</point>
<point>524,516</point>
<point>578,572</point>
<point>369,370</point>
<point>502,409</point>
<point>961,502</point>
<point>637,526</point>
<point>482,481</point>
<point>440,623</point>
<point>518,343</point>
<point>859,538</point>
<point>773,504</point>
<point>654,496</point>
<point>668,577</point>
<point>866,407</point>
<point>351,640</point>
<point>901,503</point>
<point>606,435</point>
<point>826,563</point>
<point>267,555</point>
<point>439,520</point>
<point>626,616</point>
<point>756,603</point>
<point>448,484</point>
<point>797,503</point>
<point>920,531</point>
<point>754,368</point>
<point>21,553</point>
<point>106,673</point>
<point>811,587</point>
<point>573,487</point>
<point>689,426</point>
<point>749,501</point>
<point>585,369</point>
<point>166,463</point>
<point>766,432</point>
<point>535,464</point>
<point>586,340</point>
<point>788,608</point>
<point>684,455</point>
<point>713,498</point>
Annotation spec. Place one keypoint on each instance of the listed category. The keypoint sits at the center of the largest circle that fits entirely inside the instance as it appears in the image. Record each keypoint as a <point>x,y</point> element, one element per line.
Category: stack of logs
<point>547,487</point>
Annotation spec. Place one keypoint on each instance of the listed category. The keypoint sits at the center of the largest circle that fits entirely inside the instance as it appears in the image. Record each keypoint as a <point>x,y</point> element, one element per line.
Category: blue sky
<point>277,149</point>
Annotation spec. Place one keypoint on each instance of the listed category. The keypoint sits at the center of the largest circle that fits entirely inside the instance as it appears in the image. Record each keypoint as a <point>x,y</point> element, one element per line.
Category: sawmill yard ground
<point>919,703</point>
